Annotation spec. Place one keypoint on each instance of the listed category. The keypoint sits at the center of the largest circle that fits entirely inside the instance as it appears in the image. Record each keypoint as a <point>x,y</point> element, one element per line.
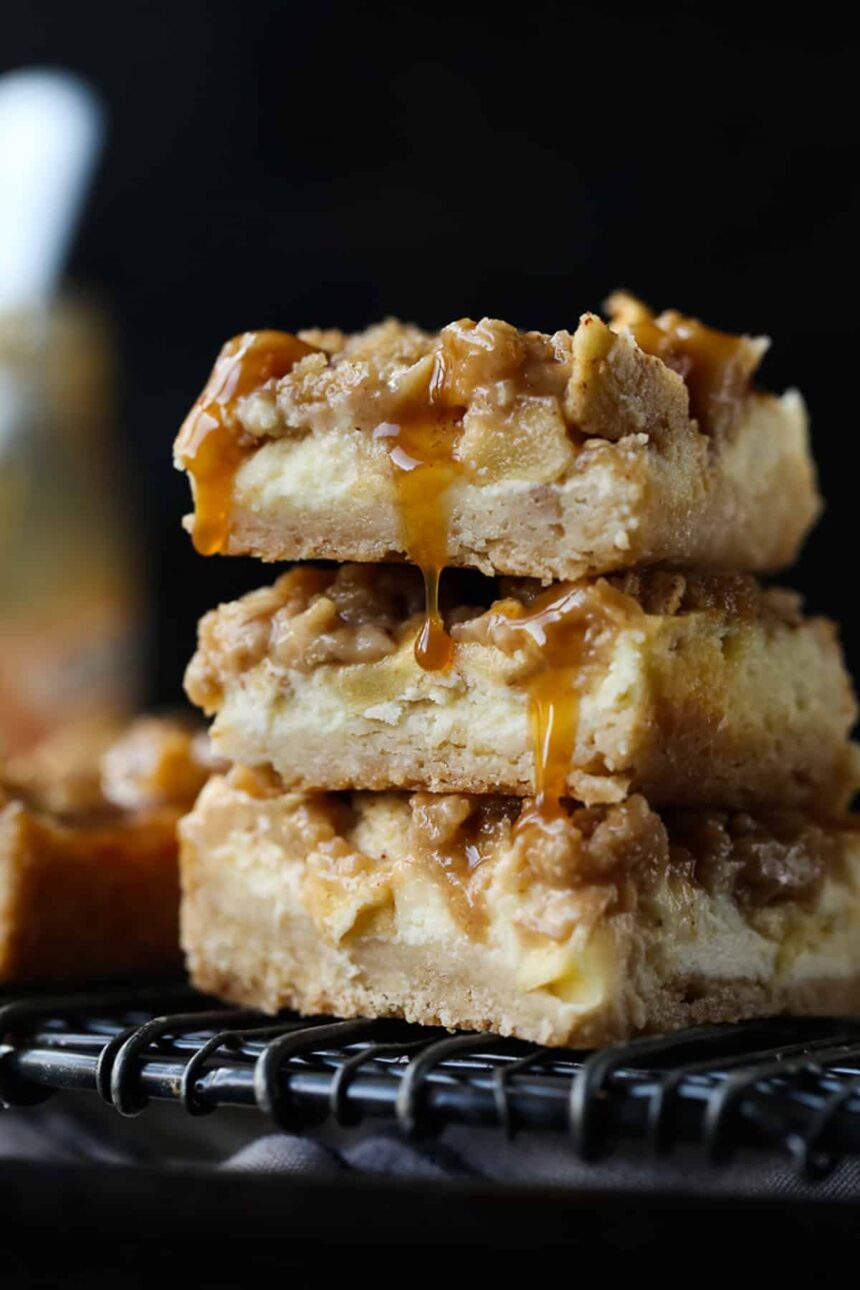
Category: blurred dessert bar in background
<point>88,850</point>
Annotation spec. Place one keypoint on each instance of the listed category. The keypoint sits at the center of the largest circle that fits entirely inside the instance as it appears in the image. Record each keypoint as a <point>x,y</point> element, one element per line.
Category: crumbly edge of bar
<point>678,1004</point>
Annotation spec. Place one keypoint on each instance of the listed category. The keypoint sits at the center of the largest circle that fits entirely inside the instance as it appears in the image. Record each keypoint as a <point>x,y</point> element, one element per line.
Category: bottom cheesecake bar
<point>452,910</point>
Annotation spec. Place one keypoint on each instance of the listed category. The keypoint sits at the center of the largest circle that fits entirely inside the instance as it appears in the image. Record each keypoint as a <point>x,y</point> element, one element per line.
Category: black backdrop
<point>283,164</point>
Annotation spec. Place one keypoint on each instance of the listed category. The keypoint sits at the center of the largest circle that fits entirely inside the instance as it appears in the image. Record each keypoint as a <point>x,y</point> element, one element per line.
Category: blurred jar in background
<point>69,604</point>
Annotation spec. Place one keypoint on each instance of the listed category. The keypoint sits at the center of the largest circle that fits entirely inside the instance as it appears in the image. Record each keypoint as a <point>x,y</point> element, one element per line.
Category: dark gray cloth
<point>77,1128</point>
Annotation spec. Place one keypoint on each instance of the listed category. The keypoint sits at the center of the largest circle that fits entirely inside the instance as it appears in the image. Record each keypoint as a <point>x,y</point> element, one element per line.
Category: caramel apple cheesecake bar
<point>89,882</point>
<point>470,912</point>
<point>694,689</point>
<point>546,456</point>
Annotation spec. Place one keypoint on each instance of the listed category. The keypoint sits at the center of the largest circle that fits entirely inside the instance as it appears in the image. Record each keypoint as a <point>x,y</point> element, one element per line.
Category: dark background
<point>282,164</point>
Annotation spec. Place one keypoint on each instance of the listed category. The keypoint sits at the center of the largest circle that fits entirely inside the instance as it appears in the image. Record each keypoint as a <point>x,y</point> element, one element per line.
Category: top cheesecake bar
<point>632,442</point>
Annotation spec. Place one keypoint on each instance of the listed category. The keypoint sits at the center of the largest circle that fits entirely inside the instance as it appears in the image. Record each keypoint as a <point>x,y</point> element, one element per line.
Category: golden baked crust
<point>548,456</point>
<point>692,688</point>
<point>445,910</point>
<point>88,850</point>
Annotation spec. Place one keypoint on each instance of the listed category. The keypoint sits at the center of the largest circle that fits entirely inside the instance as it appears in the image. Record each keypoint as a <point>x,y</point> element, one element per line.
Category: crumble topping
<point>363,613</point>
<point>733,595</point>
<point>779,855</point>
<point>376,376</point>
<point>567,873</point>
<point>455,834</point>
<point>157,762</point>
<point>559,625</point>
<point>764,860</point>
<point>62,773</point>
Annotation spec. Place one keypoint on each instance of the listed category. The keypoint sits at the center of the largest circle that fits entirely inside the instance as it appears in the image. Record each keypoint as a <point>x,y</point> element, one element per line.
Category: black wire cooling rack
<point>790,1084</point>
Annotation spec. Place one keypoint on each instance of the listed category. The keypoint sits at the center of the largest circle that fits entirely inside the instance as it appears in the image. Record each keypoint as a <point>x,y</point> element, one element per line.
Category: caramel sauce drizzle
<point>567,624</point>
<point>716,367</point>
<point>421,448</point>
<point>210,444</point>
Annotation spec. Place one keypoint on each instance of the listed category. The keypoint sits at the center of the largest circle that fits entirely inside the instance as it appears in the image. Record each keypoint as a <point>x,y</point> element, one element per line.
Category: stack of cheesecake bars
<point>523,745</point>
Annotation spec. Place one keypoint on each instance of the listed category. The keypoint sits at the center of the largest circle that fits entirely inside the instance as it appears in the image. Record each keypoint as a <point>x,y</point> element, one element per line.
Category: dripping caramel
<point>474,360</point>
<point>417,412</point>
<point>421,448</point>
<point>567,624</point>
<point>210,444</point>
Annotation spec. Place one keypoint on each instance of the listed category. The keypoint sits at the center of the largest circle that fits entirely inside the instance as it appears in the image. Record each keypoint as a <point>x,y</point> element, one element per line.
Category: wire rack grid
<point>781,1083</point>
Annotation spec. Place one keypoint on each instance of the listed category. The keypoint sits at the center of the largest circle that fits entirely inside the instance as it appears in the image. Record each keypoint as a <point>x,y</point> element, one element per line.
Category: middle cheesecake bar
<point>694,689</point>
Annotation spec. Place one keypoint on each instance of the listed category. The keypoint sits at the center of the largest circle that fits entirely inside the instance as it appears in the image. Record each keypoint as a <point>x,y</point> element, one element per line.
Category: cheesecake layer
<point>450,910</point>
<point>693,689</point>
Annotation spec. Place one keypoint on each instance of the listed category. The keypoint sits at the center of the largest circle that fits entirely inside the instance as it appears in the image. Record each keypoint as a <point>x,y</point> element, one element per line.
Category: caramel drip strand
<point>553,720</point>
<point>210,444</point>
<point>569,626</point>
<point>716,367</point>
<point>434,649</point>
<point>421,448</point>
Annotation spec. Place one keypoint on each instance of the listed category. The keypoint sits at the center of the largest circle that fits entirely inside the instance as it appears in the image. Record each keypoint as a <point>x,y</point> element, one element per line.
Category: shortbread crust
<point>441,910</point>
